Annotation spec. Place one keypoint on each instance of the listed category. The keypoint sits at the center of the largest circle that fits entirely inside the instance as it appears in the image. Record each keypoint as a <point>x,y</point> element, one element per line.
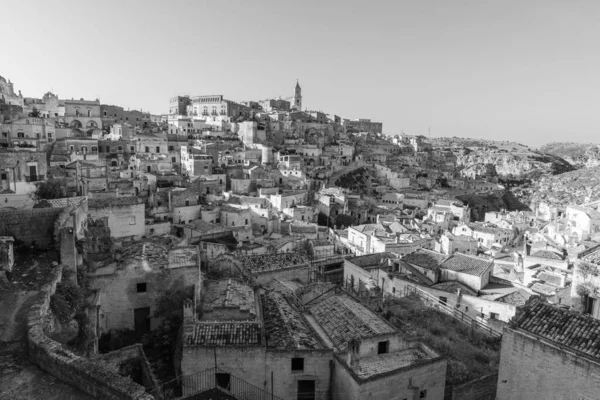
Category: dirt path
<point>13,314</point>
<point>19,379</point>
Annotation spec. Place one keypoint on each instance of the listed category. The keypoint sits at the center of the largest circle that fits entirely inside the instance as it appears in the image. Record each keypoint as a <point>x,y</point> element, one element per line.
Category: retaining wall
<point>35,225</point>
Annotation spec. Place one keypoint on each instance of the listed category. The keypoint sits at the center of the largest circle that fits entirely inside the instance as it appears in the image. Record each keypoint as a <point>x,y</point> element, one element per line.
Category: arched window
<point>83,149</point>
<point>76,124</point>
<point>94,149</point>
<point>92,124</point>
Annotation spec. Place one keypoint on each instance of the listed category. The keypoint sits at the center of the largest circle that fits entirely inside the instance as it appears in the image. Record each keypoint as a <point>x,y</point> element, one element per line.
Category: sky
<point>520,70</point>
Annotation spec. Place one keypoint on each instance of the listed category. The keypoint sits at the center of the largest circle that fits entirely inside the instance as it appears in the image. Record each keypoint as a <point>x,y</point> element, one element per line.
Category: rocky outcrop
<point>525,164</point>
<point>580,155</point>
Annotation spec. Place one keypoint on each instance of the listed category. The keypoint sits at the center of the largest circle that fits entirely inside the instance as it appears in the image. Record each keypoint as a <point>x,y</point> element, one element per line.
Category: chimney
<point>188,311</point>
<point>353,352</point>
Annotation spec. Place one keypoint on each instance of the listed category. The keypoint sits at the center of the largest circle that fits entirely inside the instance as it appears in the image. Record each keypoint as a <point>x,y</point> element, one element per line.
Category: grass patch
<point>470,353</point>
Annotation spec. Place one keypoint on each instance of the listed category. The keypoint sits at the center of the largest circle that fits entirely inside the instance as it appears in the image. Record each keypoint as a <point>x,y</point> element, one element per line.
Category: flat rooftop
<point>369,367</point>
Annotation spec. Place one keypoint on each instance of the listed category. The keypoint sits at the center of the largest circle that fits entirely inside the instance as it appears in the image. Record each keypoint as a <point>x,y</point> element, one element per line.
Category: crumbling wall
<point>84,374</point>
<point>29,226</point>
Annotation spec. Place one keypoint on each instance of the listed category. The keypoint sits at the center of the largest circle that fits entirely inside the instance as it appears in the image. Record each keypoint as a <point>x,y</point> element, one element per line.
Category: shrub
<point>67,299</point>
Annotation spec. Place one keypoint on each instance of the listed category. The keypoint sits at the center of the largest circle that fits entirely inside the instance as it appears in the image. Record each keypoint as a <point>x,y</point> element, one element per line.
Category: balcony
<point>34,178</point>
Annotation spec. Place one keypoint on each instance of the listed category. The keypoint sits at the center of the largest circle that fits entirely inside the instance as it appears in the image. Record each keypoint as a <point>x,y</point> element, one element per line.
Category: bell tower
<point>297,97</point>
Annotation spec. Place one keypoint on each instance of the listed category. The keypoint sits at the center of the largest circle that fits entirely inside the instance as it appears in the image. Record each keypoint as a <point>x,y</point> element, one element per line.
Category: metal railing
<point>215,378</point>
<point>441,305</point>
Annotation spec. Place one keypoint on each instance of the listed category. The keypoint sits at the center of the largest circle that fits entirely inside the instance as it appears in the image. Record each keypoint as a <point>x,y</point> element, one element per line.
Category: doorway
<point>306,390</point>
<point>33,173</point>
<point>142,320</point>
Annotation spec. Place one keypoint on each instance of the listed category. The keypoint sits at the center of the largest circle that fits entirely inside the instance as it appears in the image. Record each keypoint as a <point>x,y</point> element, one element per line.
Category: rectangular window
<point>383,347</point>
<point>423,394</point>
<point>493,315</point>
<point>157,149</point>
<point>147,149</point>
<point>298,364</point>
<point>141,287</point>
<point>443,300</point>
<point>132,220</point>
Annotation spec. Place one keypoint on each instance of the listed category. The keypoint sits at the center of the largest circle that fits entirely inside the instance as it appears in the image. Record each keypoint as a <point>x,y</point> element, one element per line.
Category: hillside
<point>580,155</point>
<point>573,187</point>
<point>505,159</point>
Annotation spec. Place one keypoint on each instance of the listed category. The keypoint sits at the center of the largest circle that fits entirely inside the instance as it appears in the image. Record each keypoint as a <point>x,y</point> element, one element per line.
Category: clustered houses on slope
<point>288,229</point>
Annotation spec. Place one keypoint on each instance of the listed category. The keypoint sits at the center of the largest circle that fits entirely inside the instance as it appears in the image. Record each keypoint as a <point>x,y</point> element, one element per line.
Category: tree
<point>343,221</point>
<point>50,189</point>
<point>35,113</point>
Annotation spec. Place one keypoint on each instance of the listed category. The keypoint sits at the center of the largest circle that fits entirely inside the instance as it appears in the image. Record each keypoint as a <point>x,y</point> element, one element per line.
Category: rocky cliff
<point>480,157</point>
<point>580,155</point>
<point>519,164</point>
<point>573,187</point>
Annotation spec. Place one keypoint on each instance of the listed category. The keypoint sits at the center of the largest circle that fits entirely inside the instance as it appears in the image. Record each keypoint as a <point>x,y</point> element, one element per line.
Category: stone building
<point>111,115</point>
<point>216,105</point>
<point>549,353</point>
<point>144,271</point>
<point>585,288</point>
<point>125,215</point>
<point>28,132</point>
<point>362,125</point>
<point>333,348</point>
<point>20,169</point>
<point>83,114</point>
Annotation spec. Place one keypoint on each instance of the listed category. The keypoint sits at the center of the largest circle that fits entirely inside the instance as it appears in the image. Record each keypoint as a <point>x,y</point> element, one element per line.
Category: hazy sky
<point>507,70</point>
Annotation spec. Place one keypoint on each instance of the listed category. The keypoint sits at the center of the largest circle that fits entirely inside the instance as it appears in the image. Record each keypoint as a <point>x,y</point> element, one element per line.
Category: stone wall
<point>532,368</point>
<point>29,226</point>
<point>84,374</point>
<point>483,388</point>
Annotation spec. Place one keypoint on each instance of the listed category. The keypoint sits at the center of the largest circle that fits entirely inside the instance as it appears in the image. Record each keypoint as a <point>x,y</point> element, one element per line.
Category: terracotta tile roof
<point>547,254</point>
<point>549,278</point>
<point>543,289</point>
<point>453,286</point>
<point>592,254</point>
<point>369,367</point>
<point>285,326</point>
<point>66,202</point>
<point>424,258</point>
<point>224,333</point>
<point>466,264</point>
<point>115,202</point>
<point>567,328</point>
<point>229,293</point>
<point>147,254</point>
<point>342,318</point>
<point>517,298</point>
<point>368,228</point>
<point>183,257</point>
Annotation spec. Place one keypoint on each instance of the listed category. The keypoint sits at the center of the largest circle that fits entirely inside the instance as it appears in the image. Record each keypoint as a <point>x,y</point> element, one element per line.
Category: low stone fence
<point>483,388</point>
<point>86,375</point>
